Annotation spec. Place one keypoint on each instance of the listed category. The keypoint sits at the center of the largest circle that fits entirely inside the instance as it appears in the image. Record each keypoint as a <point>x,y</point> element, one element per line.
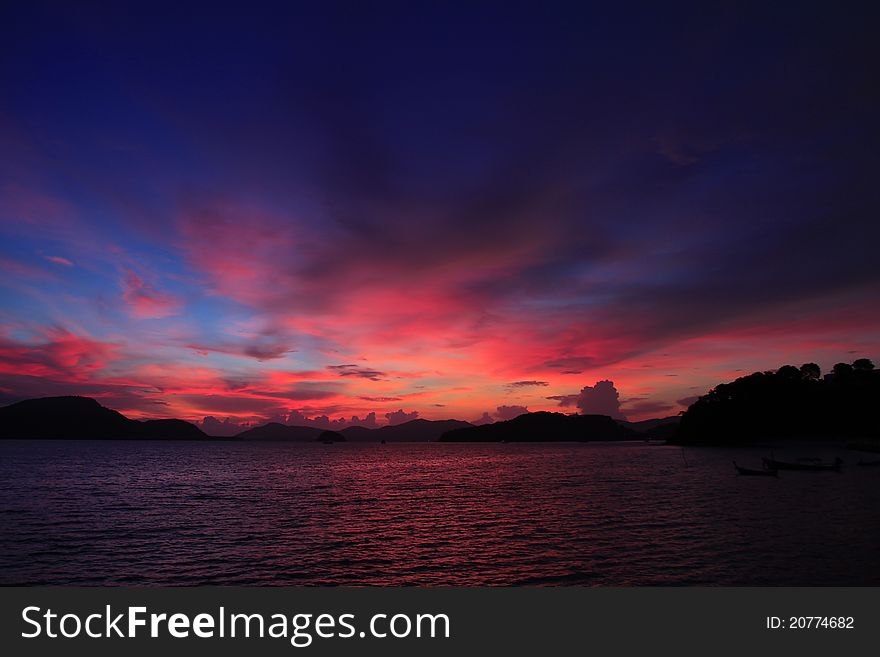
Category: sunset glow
<point>376,225</point>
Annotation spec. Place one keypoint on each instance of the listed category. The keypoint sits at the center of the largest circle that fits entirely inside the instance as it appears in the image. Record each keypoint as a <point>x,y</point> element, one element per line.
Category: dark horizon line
<point>319,430</point>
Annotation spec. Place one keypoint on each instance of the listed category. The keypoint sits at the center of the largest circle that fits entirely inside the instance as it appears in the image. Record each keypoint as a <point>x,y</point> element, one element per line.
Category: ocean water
<point>153,513</point>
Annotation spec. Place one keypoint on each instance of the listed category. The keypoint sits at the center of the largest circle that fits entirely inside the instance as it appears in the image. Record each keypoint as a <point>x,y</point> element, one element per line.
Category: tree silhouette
<point>788,403</point>
<point>789,372</point>
<point>863,365</point>
<point>811,371</point>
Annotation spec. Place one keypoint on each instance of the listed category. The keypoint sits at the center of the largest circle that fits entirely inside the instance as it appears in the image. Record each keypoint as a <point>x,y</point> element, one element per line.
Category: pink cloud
<point>59,353</point>
<point>510,412</point>
<point>400,416</point>
<point>59,260</point>
<point>144,301</point>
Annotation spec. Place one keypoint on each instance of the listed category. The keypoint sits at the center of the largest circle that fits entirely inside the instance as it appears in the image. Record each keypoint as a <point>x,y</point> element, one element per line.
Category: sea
<point>108,513</point>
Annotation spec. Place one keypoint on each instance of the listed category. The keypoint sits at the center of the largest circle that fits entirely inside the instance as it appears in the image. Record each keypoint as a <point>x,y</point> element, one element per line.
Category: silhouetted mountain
<point>280,432</point>
<point>543,426</point>
<point>656,428</point>
<point>358,434</point>
<point>788,403</point>
<point>331,437</point>
<point>414,431</point>
<point>85,418</point>
<point>418,431</point>
<point>170,430</point>
<point>647,425</point>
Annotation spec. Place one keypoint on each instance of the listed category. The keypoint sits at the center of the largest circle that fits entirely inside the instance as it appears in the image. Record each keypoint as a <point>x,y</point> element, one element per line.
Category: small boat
<point>751,472</point>
<point>383,442</point>
<point>868,464</point>
<point>326,442</point>
<point>773,464</point>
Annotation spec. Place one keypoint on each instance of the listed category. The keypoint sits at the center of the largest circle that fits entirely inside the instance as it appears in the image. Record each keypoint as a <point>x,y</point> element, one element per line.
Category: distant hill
<point>330,437</point>
<point>170,430</point>
<point>654,429</point>
<point>84,418</point>
<point>648,425</point>
<point>414,431</point>
<point>280,432</point>
<point>358,434</point>
<point>418,431</point>
<point>543,426</point>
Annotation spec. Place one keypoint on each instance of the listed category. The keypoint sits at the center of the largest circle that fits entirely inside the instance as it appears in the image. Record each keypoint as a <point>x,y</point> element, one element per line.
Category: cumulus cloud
<point>323,421</point>
<point>510,412</point>
<point>600,399</point>
<point>501,413</point>
<point>214,427</point>
<point>369,421</point>
<point>400,416</point>
<point>485,418</point>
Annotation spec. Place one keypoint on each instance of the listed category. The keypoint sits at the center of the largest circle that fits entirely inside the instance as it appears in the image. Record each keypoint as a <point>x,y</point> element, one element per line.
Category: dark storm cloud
<point>266,351</point>
<point>564,400</point>
<point>356,371</point>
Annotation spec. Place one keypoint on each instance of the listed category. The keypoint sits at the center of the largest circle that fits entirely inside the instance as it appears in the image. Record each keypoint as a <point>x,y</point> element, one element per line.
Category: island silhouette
<point>783,404</point>
<point>543,426</point>
<point>788,403</point>
<point>85,418</point>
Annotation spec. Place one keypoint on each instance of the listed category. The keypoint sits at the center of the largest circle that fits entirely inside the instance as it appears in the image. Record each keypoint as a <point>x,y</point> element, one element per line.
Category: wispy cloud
<point>59,260</point>
<point>146,302</point>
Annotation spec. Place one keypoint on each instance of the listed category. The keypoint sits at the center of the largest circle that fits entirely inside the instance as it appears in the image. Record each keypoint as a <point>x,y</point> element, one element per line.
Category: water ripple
<point>117,513</point>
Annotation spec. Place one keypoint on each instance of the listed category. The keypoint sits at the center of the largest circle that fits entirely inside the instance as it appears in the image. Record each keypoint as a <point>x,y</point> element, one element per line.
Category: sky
<point>370,212</point>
